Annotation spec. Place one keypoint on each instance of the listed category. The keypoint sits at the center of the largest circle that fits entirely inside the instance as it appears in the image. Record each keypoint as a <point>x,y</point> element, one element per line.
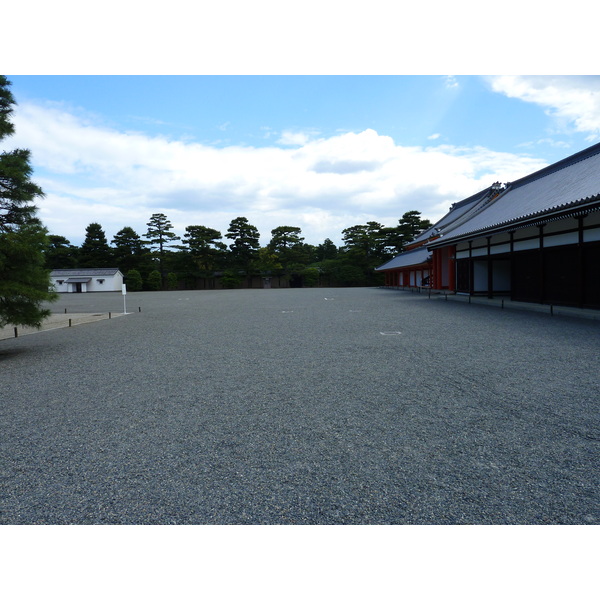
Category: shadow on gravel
<point>6,354</point>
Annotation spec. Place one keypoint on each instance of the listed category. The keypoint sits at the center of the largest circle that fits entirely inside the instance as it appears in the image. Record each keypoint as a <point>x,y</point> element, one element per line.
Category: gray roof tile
<point>572,181</point>
<point>83,272</point>
<point>406,259</point>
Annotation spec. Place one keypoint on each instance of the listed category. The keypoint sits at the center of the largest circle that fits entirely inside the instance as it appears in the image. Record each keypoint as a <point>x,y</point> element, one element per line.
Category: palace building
<point>536,239</point>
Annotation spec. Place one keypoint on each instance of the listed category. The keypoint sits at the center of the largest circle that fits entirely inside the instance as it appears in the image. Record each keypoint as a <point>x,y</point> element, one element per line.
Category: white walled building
<point>86,280</point>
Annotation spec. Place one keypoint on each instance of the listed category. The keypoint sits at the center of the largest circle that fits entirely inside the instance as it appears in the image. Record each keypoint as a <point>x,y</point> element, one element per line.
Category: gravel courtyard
<point>300,406</point>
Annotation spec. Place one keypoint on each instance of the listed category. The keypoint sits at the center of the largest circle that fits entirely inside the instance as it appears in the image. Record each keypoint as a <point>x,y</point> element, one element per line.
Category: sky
<point>322,152</point>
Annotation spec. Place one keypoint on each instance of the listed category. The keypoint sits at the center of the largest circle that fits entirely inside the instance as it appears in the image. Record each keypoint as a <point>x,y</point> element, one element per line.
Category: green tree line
<point>160,259</point>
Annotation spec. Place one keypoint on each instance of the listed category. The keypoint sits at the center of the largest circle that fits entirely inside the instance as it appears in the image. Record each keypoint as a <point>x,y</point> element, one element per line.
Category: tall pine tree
<point>95,251</point>
<point>61,254</point>
<point>24,280</point>
<point>130,252</point>
<point>244,249</point>
<point>160,238</point>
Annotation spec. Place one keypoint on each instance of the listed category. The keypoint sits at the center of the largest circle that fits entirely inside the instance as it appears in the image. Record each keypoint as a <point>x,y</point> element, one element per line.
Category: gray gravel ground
<point>291,407</point>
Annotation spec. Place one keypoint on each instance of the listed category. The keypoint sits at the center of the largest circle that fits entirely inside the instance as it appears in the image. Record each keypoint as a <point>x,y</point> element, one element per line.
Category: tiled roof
<point>569,183</point>
<point>455,215</point>
<point>407,259</point>
<point>83,272</point>
<point>457,211</point>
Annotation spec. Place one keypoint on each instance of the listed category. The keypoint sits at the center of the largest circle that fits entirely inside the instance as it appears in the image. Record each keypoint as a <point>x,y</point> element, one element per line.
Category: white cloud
<point>451,81</point>
<point>546,142</point>
<point>295,138</point>
<point>92,173</point>
<point>574,101</point>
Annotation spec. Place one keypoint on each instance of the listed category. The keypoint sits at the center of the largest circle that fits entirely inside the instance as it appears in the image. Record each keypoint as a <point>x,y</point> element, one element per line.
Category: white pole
<point>124,292</point>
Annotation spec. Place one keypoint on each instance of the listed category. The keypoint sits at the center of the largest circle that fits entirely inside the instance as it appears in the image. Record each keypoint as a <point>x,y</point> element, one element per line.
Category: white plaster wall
<point>112,283</point>
<point>500,249</point>
<point>561,239</point>
<point>591,235</point>
<point>527,244</point>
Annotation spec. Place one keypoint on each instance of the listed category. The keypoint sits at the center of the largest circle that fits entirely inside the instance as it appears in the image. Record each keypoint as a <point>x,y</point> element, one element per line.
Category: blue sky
<point>250,110</point>
<point>318,152</point>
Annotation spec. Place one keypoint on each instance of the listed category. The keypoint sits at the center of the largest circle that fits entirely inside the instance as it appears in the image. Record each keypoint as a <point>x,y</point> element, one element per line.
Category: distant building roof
<point>458,211</point>
<point>406,259</point>
<point>83,272</point>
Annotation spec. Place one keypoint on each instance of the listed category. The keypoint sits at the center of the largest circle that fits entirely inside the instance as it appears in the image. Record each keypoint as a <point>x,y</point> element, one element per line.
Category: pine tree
<point>95,251</point>
<point>61,254</point>
<point>326,250</point>
<point>293,255</point>
<point>129,252</point>
<point>160,238</point>
<point>24,280</point>
<point>204,248</point>
<point>244,249</point>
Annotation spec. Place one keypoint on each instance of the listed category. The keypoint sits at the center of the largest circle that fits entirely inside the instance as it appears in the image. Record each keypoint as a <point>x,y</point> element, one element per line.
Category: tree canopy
<point>159,233</point>
<point>95,251</point>
<point>203,250</point>
<point>129,250</point>
<point>245,243</point>
<point>24,278</point>
<point>60,253</point>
